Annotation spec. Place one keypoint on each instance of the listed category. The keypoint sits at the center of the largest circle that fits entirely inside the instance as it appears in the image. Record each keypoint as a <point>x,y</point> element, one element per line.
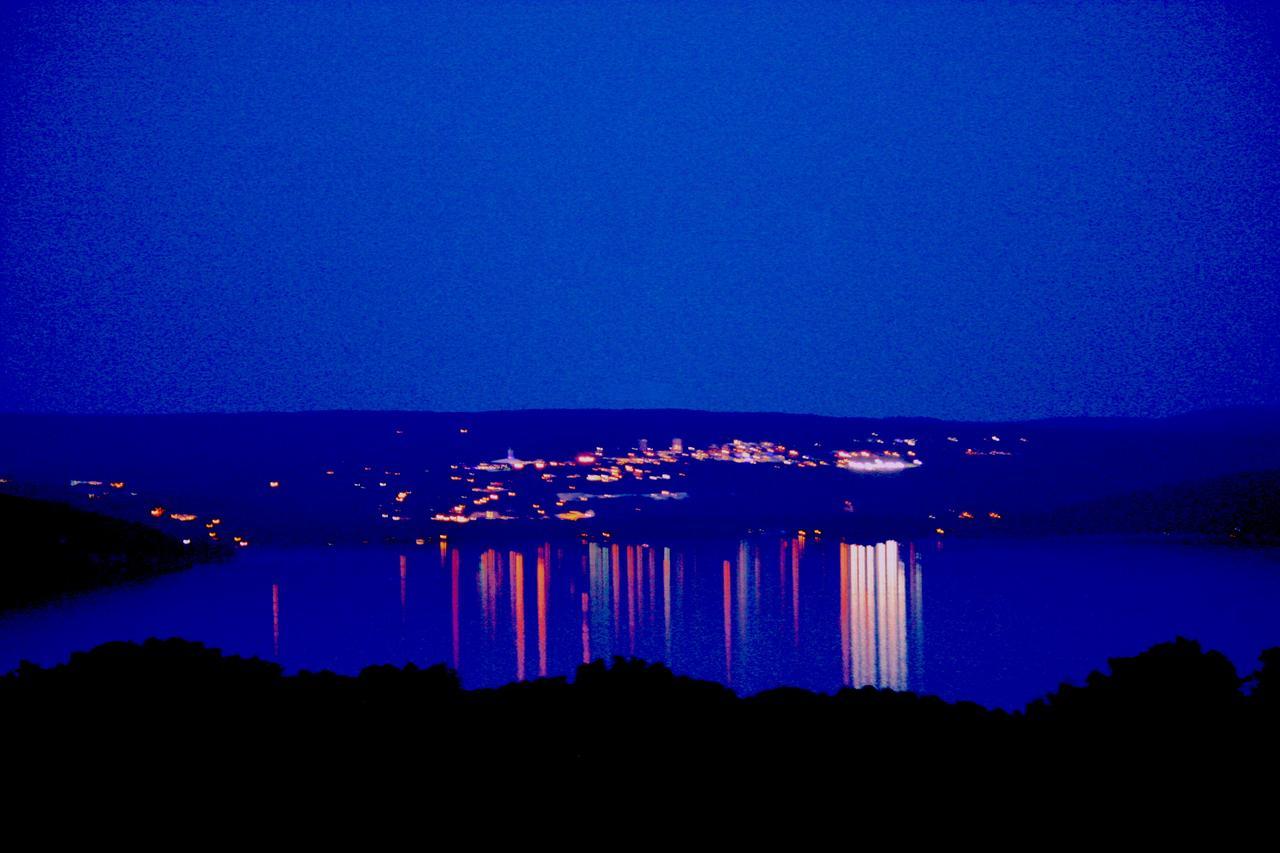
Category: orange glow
<point>586,630</point>
<point>275,484</point>
<point>728,624</point>
<point>845,635</point>
<point>613,568</point>
<point>517,591</point>
<point>585,459</point>
<point>796,547</point>
<point>994,515</point>
<point>117,485</point>
<point>666,599</point>
<point>542,614</point>
<point>631,599</point>
<point>157,512</point>
<point>488,589</point>
<point>453,592</point>
<point>180,516</point>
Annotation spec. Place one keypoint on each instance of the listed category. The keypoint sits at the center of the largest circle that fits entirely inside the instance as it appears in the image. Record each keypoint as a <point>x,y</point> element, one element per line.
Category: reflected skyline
<point>881,616</point>
<point>567,605</point>
<point>1006,621</point>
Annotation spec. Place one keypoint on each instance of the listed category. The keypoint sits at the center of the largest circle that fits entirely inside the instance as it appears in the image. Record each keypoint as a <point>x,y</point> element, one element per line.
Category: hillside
<point>1243,507</point>
<point>56,549</point>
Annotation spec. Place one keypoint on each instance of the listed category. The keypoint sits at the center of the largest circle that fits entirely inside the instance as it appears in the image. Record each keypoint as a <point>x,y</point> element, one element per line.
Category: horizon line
<point>1244,408</point>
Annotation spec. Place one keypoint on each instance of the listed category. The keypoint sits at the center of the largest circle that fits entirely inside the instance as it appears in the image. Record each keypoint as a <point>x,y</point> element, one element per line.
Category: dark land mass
<point>1037,475</point>
<point>54,550</point>
<point>1174,703</point>
<point>1241,507</point>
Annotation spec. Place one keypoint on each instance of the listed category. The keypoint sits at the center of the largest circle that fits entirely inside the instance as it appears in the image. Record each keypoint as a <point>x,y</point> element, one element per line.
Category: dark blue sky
<point>960,210</point>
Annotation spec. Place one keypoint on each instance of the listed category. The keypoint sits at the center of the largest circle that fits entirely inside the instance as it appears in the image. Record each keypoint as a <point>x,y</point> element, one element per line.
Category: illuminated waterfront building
<point>510,461</point>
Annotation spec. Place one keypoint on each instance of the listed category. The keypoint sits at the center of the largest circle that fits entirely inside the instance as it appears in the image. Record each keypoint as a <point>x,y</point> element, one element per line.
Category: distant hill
<point>1244,506</point>
<point>350,477</point>
<point>54,549</point>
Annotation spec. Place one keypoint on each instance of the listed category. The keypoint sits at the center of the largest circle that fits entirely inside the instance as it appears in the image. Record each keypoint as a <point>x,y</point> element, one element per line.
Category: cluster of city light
<point>641,463</point>
<point>755,453</point>
<point>884,462</point>
<point>644,463</point>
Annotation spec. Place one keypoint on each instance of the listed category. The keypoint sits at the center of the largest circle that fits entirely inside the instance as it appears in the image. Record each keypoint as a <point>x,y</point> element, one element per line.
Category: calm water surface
<point>999,622</point>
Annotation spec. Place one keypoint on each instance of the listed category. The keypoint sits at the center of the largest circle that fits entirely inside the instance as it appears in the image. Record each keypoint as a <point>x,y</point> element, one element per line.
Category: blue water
<point>998,622</point>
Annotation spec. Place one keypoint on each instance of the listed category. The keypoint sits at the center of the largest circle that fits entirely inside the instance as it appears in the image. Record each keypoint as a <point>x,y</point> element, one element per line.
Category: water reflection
<point>1008,621</point>
<point>740,622</point>
<point>880,607</point>
<point>275,620</point>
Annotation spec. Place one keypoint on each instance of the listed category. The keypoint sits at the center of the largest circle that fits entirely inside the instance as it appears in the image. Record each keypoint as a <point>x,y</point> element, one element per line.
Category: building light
<point>275,484</point>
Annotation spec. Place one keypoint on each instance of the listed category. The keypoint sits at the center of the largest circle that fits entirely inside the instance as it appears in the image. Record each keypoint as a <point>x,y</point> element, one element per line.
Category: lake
<point>999,622</point>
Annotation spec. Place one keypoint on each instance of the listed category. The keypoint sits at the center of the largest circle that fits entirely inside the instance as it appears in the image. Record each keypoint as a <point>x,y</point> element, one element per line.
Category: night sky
<point>957,210</point>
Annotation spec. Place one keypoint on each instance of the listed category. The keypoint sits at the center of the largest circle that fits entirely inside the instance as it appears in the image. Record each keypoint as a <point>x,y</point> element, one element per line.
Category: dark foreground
<point>1174,706</point>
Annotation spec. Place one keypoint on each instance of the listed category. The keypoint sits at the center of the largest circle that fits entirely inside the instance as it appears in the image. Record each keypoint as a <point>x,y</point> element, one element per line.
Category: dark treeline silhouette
<point>55,549</point>
<point>1174,702</point>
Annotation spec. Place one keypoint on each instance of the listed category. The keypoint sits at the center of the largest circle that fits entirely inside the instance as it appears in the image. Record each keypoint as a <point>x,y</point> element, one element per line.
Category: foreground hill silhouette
<point>1172,702</point>
<point>56,549</point>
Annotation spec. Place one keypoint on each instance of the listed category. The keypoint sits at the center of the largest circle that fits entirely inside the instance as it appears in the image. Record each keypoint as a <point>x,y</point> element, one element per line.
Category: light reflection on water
<point>1007,621</point>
